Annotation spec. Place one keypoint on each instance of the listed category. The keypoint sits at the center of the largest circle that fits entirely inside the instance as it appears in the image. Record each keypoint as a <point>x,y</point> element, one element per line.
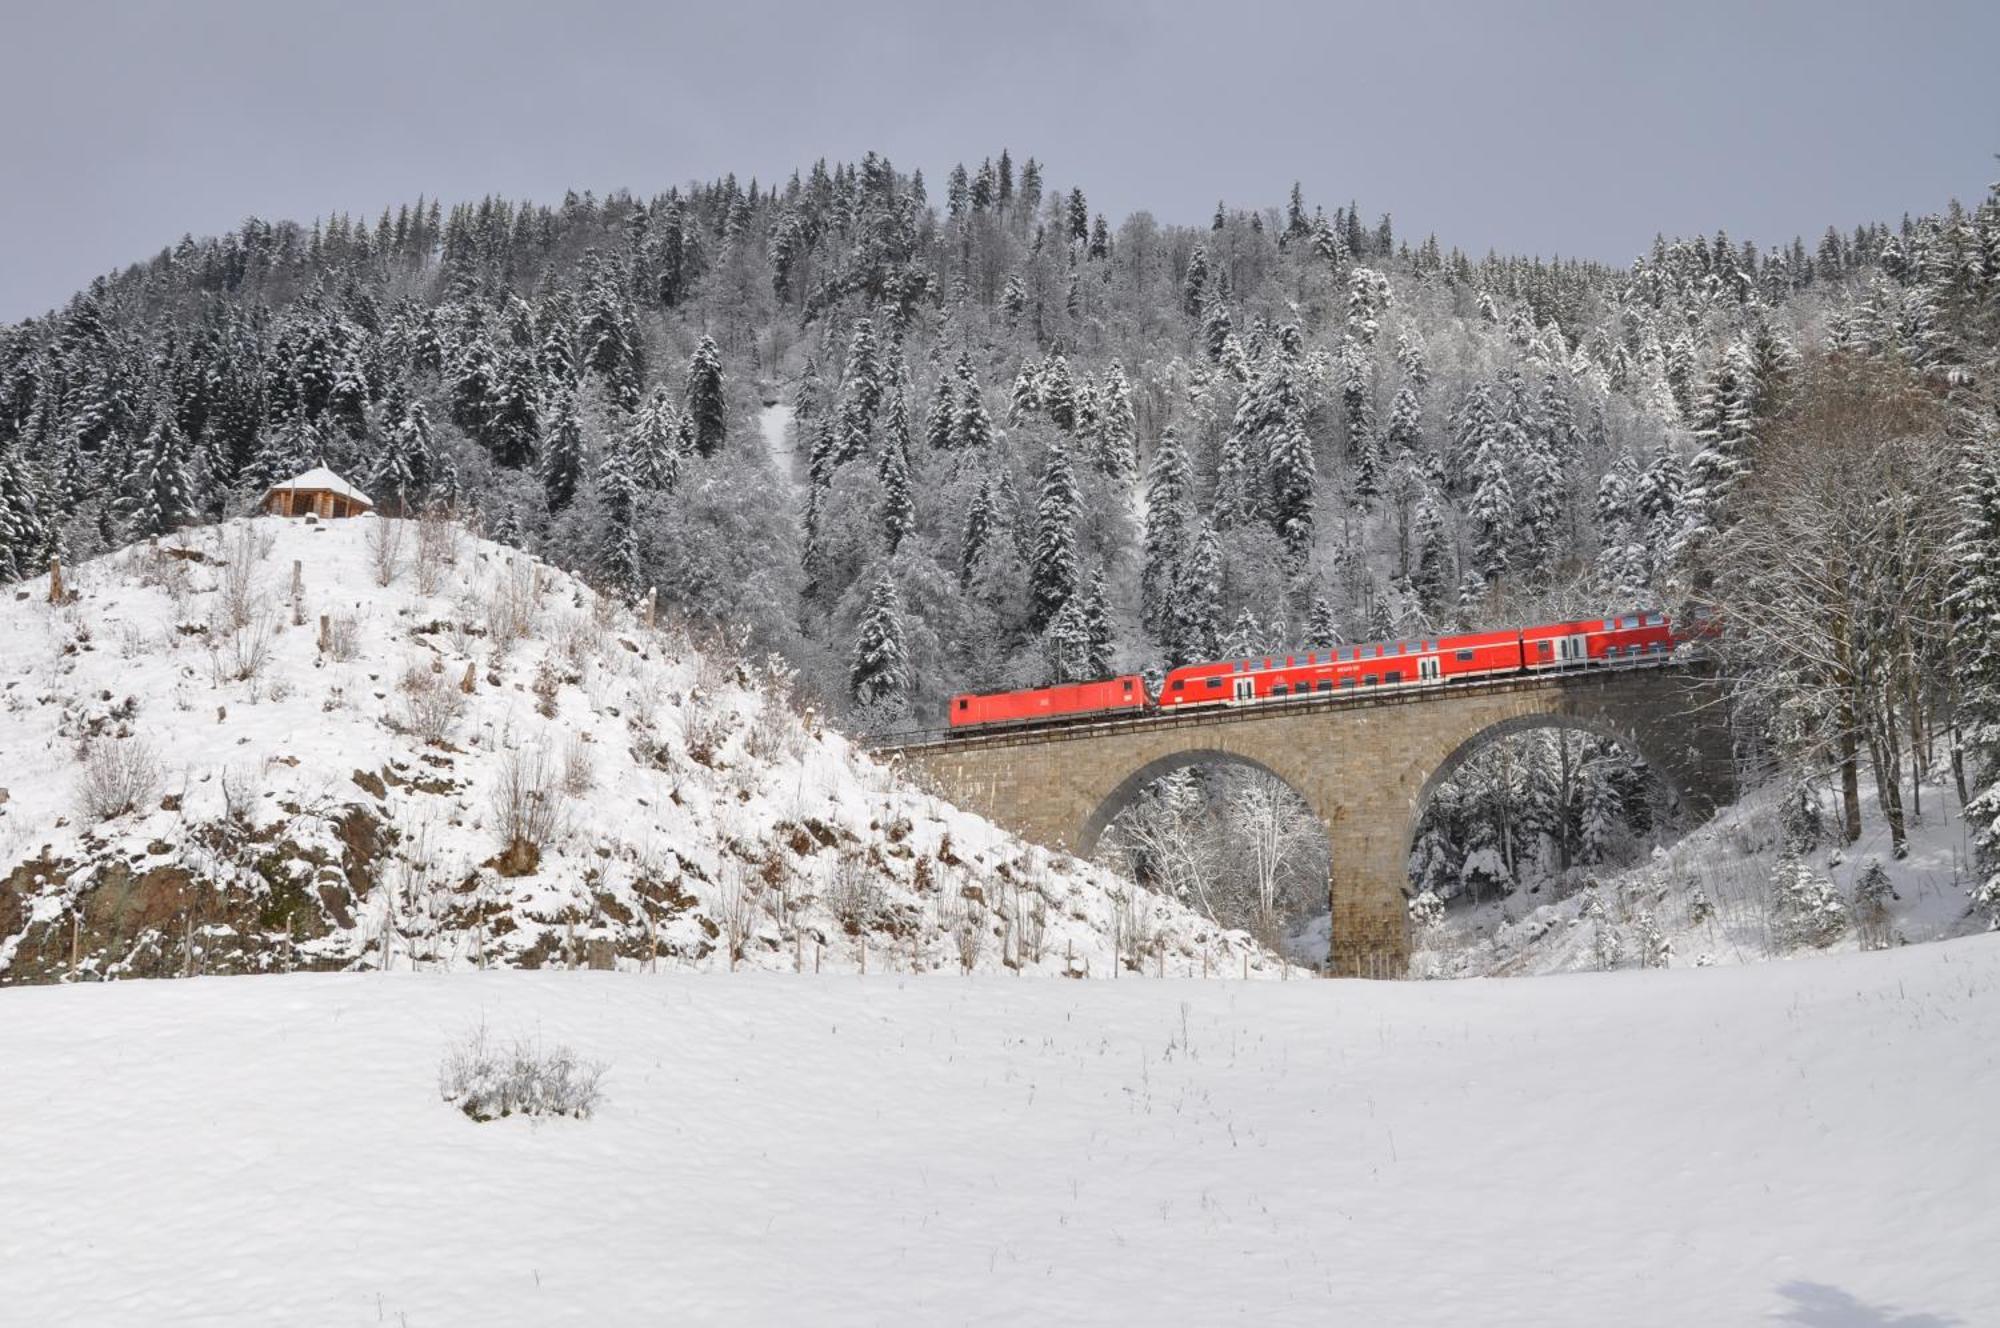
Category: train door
<point>1246,689</point>
<point>1572,650</point>
<point>1429,670</point>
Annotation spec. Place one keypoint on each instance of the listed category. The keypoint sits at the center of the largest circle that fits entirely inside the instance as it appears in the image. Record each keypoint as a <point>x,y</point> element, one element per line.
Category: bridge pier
<point>1366,765</point>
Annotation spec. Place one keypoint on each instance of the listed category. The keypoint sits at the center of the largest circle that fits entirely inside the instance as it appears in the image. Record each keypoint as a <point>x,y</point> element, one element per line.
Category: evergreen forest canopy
<point>1032,446</point>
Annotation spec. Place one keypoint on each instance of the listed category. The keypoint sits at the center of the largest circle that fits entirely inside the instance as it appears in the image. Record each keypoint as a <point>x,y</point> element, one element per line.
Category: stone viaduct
<point>1365,764</point>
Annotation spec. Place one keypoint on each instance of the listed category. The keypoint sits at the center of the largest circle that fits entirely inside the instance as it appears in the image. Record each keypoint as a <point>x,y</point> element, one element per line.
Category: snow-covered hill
<point>1714,897</point>
<point>1798,1143</point>
<point>424,749</point>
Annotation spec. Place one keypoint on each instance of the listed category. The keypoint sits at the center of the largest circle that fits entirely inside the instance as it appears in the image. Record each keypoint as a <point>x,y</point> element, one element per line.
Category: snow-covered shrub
<point>119,776</point>
<point>385,549</point>
<point>431,702</point>
<point>437,549</point>
<point>1872,894</point>
<point>855,896</point>
<point>1426,912</point>
<point>1655,949</point>
<point>343,637</point>
<point>487,1081</point>
<point>579,770</point>
<point>240,646</point>
<point>1806,909</point>
<point>510,604</point>
<point>1800,819</point>
<point>1607,945</point>
<point>740,897</point>
<point>529,805</point>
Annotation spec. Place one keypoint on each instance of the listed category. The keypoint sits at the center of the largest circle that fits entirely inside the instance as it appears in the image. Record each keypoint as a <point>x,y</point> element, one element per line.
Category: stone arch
<point>1126,791</point>
<point>1577,721</point>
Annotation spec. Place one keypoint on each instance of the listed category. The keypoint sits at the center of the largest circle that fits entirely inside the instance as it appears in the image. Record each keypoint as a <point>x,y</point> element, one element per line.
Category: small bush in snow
<point>1806,909</point>
<point>437,549</point>
<point>855,897</point>
<point>385,548</point>
<point>579,771</point>
<point>1655,950</point>
<point>239,642</point>
<point>343,637</point>
<point>529,804</point>
<point>431,703</point>
<point>118,777</point>
<point>487,1081</point>
<point>1872,894</point>
<point>1426,912</point>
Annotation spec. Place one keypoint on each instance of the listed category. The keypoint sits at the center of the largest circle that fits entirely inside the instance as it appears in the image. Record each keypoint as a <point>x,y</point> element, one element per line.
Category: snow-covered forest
<point>920,436</point>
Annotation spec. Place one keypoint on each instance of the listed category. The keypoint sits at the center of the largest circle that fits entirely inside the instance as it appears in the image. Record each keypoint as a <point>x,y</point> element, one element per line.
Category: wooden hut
<point>319,492</point>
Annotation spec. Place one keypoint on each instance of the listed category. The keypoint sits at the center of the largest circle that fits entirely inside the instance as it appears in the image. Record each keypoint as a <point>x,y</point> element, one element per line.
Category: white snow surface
<point>709,793</point>
<point>1804,1143</point>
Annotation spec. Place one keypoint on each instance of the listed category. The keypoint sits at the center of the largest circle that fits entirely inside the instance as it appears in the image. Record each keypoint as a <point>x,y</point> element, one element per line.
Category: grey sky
<point>1552,128</point>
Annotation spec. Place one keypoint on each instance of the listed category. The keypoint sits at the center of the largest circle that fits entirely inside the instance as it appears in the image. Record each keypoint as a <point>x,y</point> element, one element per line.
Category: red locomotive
<point>1628,639</point>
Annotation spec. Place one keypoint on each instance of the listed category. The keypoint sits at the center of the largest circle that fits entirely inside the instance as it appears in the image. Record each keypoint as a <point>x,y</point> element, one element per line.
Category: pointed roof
<point>319,479</point>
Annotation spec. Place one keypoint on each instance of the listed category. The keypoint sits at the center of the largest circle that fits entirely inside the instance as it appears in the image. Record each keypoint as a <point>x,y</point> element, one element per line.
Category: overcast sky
<point>1547,128</point>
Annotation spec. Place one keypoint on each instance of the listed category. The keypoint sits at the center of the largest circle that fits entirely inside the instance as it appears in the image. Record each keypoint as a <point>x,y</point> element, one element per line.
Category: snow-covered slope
<point>1800,1143</point>
<point>439,752</point>
<point>1711,898</point>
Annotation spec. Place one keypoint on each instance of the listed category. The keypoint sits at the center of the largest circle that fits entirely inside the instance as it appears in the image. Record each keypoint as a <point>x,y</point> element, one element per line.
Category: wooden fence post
<point>298,593</point>
<point>55,581</point>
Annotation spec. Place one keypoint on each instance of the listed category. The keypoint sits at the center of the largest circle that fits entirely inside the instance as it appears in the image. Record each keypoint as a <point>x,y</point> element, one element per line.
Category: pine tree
<point>1491,510</point>
<point>980,519</point>
<point>403,465</point>
<point>1053,569</point>
<point>562,451</point>
<point>861,390</point>
<point>1058,393</point>
<point>1433,573</point>
<point>899,510</point>
<point>1166,545</point>
<point>1322,629</point>
<point>1294,481</point>
<point>1117,427</point>
<point>972,427</point>
<point>163,496</point>
<point>705,404</point>
<point>653,446</point>
<point>1196,602</point>
<point>618,486</point>
<point>514,417</point>
<point>878,673</point>
<point>1194,283</point>
<point>24,535</point>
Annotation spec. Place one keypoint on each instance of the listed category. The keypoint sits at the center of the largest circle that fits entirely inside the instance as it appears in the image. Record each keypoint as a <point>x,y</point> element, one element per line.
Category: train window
<point>1180,684</point>
<point>1610,624</point>
<point>1630,620</point>
<point>1215,684</point>
<point>1394,675</point>
<point>1463,656</point>
<point>1128,687</point>
<point>1347,682</point>
<point>1368,680</point>
<point>1279,689</point>
<point>964,704</point>
<point>1541,647</point>
<point>1323,685</point>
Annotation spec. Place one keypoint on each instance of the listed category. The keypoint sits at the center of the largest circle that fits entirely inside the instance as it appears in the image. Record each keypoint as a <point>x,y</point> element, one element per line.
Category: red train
<point>1643,637</point>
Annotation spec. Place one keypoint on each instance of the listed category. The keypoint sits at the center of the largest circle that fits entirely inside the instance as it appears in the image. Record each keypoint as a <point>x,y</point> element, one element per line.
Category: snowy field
<point>1804,1142</point>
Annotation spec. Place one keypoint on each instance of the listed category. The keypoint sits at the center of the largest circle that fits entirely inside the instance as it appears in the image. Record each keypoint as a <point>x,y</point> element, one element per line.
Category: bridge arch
<point>1121,797</point>
<point>1596,725</point>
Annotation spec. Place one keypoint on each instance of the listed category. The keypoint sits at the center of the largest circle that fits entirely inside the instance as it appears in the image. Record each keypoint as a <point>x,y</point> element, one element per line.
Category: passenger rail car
<point>1626,639</point>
